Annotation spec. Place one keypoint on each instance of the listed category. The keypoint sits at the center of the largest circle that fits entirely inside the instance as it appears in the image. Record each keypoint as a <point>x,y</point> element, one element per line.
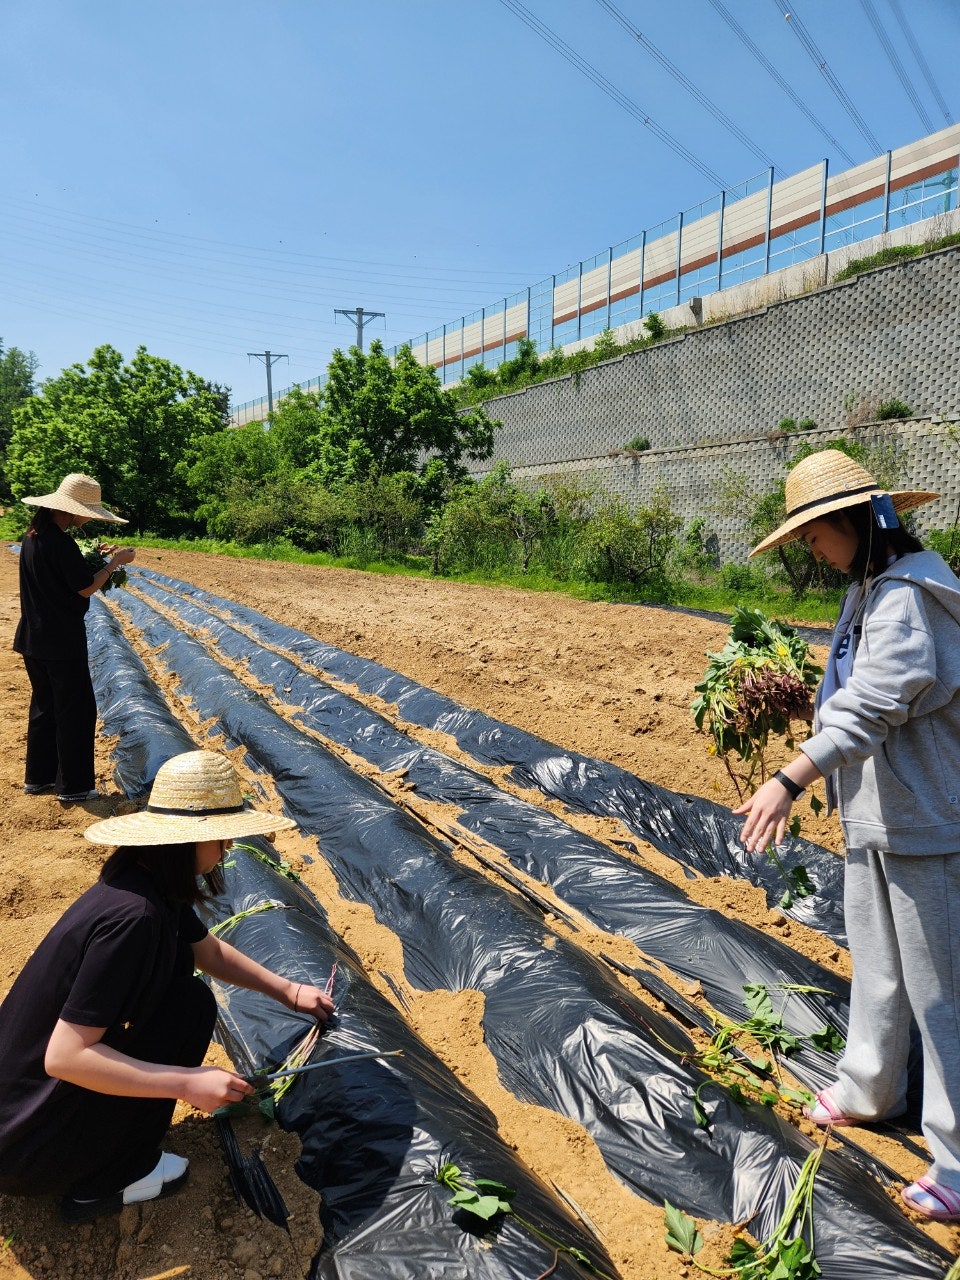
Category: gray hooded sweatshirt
<point>891,735</point>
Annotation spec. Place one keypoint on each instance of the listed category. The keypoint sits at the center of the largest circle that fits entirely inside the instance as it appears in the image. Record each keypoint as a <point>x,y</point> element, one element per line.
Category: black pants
<point>93,1144</point>
<point>62,724</point>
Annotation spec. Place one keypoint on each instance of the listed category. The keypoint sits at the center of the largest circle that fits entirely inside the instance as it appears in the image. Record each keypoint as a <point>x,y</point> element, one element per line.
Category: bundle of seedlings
<point>95,554</point>
<point>788,1253</point>
<point>756,688</point>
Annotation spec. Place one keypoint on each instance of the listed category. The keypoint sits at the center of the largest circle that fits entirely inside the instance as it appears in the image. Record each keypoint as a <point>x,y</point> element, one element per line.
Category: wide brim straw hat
<point>829,481</point>
<point>78,495</point>
<point>195,796</point>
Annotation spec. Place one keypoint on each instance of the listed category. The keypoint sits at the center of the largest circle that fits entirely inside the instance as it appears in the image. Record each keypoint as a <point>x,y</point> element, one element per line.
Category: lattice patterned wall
<point>709,400</point>
<point>697,479</point>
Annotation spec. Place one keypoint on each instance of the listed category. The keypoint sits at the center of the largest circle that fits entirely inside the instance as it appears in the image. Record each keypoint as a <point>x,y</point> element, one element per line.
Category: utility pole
<point>268,358</point>
<point>362,317</point>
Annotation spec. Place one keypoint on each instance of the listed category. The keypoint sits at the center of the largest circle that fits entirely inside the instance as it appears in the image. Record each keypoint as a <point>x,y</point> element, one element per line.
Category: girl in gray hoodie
<point>887,739</point>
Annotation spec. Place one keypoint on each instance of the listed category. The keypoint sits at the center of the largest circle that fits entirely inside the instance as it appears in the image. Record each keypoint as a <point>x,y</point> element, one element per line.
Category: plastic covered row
<point>374,1133</point>
<point>697,833</point>
<point>564,1034</point>
<point>696,943</point>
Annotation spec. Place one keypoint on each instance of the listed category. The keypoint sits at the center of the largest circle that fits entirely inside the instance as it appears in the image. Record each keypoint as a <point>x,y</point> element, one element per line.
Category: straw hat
<point>829,481</point>
<point>77,494</point>
<point>195,796</point>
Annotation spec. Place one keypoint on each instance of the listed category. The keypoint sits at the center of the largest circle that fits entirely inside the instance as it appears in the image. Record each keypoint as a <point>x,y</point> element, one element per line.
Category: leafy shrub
<point>742,577</point>
<point>636,549</point>
<point>947,543</point>
<point>654,326</point>
<point>606,346</point>
<point>491,527</point>
<point>699,547</point>
<point>893,409</point>
<point>639,444</point>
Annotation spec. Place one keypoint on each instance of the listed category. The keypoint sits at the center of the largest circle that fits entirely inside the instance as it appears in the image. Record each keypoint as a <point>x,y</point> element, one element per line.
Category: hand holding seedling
<point>304,998</point>
<point>208,1088</point>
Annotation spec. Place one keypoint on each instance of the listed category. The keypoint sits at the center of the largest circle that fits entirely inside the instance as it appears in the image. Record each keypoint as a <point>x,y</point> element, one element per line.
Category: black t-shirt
<point>107,962</point>
<point>52,572</point>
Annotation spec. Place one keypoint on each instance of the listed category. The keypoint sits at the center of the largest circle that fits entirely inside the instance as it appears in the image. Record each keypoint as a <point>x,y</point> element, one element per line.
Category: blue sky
<point>213,177</point>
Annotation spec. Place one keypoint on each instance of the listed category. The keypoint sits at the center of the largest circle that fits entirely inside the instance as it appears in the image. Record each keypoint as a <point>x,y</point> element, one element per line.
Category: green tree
<point>378,418</point>
<point>136,427</point>
<point>229,463</point>
<point>16,385</point>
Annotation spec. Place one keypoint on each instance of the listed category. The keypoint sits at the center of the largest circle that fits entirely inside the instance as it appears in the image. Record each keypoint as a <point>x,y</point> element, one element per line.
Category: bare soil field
<point>614,681</point>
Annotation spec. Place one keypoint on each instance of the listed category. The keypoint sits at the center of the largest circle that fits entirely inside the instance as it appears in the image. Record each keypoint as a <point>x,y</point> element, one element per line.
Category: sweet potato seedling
<point>788,1253</point>
<point>96,558</point>
<point>486,1200</point>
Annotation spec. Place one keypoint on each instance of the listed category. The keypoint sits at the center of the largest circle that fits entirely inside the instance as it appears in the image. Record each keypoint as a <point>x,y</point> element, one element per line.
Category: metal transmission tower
<point>268,358</point>
<point>361,317</point>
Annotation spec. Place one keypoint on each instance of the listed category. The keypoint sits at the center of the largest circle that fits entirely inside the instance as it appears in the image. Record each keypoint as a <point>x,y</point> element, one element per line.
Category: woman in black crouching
<point>107,1026</point>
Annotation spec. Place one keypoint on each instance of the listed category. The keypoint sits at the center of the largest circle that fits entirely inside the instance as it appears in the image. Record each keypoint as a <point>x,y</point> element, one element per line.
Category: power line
<point>30,207</point>
<point>920,60</point>
<point>894,59</point>
<point>600,80</point>
<point>820,62</point>
<point>673,70</point>
<point>785,85</point>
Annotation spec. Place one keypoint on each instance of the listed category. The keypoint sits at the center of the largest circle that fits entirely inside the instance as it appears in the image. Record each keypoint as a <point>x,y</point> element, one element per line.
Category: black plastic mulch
<point>697,833</point>
<point>562,1033</point>
<point>695,943</point>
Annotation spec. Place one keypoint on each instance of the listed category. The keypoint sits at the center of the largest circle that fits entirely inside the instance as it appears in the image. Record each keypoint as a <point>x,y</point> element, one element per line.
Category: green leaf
<point>485,1207</point>
<point>448,1175</point>
<point>816,804</point>
<point>699,1113</point>
<point>682,1235</point>
<point>801,1097</point>
<point>829,1040</point>
<point>758,999</point>
<point>741,1253</point>
<point>800,882</point>
<point>487,1187</point>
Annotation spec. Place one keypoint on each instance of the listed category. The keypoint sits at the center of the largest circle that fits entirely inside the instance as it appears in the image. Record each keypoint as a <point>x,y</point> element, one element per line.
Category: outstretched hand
<point>768,812</point>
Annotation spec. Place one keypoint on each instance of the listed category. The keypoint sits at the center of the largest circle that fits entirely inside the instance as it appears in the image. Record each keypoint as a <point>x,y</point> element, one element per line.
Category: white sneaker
<point>169,1176</point>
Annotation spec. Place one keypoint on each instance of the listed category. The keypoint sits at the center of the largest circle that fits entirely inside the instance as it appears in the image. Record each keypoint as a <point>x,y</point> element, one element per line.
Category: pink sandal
<point>825,1112</point>
<point>932,1200</point>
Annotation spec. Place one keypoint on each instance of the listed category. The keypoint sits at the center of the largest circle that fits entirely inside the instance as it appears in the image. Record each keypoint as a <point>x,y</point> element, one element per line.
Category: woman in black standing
<point>56,584</point>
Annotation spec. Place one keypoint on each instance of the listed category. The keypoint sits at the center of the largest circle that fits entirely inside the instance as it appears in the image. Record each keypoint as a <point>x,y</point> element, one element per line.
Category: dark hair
<point>172,866</point>
<point>874,545</point>
<point>42,519</point>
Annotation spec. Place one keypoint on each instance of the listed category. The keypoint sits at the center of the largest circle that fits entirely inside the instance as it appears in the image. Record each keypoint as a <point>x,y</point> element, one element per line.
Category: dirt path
<point>606,680</point>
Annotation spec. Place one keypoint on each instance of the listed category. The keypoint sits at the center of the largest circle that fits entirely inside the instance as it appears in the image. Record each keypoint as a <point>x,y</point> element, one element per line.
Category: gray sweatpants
<point>903,925</point>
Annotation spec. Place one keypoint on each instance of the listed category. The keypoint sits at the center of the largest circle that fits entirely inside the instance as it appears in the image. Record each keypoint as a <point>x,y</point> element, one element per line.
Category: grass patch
<point>818,608</point>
